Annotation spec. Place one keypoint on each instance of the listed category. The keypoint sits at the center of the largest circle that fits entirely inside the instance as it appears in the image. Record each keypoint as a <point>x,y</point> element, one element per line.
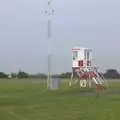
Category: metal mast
<point>49,12</point>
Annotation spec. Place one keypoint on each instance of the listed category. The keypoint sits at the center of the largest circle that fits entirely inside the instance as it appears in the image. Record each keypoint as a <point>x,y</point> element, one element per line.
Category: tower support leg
<point>70,81</point>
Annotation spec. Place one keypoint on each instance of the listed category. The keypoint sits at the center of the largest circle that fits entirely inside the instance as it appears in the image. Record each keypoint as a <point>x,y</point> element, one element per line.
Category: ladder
<point>98,80</point>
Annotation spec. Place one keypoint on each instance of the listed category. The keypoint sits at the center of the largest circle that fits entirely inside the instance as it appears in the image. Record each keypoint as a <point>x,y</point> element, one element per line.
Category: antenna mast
<point>49,12</point>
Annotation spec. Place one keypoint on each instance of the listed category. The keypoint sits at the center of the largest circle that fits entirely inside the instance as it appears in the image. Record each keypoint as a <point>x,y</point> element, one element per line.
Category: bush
<point>112,74</point>
<point>3,75</point>
<point>22,74</point>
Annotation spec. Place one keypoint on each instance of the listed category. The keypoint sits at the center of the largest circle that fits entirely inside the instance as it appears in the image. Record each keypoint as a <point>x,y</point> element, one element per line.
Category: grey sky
<point>88,23</point>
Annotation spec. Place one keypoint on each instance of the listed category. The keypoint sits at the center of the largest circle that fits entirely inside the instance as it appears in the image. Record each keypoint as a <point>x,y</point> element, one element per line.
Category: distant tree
<point>56,76</point>
<point>112,74</point>
<point>13,75</point>
<point>22,74</point>
<point>38,76</point>
<point>41,75</point>
<point>66,75</point>
<point>3,75</point>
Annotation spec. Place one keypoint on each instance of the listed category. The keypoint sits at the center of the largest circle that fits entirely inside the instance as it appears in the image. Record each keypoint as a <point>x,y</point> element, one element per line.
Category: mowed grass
<point>29,100</point>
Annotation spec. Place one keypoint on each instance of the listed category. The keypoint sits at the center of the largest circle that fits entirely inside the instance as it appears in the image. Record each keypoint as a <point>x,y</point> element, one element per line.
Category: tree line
<point>109,74</point>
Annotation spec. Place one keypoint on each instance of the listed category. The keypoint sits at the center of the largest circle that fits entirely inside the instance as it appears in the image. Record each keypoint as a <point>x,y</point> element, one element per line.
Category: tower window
<point>87,55</point>
<point>75,53</point>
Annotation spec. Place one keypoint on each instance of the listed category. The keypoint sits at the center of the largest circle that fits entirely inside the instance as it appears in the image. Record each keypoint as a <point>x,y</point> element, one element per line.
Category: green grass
<point>29,100</point>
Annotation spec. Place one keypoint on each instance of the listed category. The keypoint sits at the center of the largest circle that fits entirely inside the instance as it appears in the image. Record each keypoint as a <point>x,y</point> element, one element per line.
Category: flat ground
<point>29,100</point>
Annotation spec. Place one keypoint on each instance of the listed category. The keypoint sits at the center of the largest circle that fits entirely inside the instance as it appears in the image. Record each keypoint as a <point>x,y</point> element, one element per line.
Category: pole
<point>49,12</point>
<point>49,54</point>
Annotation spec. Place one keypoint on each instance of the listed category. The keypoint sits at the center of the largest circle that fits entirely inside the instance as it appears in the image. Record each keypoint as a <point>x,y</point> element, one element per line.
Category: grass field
<point>29,100</point>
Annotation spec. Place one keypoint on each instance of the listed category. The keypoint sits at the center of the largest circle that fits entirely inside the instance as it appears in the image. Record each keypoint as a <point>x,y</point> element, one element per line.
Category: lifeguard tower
<point>83,69</point>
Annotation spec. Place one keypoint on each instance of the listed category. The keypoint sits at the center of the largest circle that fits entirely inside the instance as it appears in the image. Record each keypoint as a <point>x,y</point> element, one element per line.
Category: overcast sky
<point>89,23</point>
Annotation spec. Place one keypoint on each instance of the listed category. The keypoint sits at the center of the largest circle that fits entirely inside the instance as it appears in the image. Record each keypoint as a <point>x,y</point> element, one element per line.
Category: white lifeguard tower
<point>83,69</point>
